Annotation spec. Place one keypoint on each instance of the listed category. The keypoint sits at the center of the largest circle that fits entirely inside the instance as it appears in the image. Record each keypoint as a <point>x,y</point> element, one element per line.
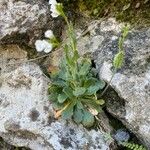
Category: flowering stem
<point>108,83</point>
<point>73,45</point>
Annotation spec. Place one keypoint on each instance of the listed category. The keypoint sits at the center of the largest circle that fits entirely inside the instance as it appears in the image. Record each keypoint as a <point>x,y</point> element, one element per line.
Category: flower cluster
<point>55,8</point>
<point>43,45</point>
<point>46,45</point>
<point>49,34</point>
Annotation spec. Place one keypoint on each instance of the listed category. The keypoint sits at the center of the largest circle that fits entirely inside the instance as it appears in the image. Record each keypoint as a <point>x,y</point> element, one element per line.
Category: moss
<point>136,12</point>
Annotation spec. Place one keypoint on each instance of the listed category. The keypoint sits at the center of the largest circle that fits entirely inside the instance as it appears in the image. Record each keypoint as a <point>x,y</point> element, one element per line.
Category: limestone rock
<point>10,57</point>
<point>19,18</point>
<point>132,82</point>
<point>26,115</point>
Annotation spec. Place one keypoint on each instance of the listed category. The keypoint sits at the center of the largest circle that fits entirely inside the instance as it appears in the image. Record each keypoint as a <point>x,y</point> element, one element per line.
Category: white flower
<point>49,34</point>
<point>55,13</point>
<point>39,45</point>
<point>52,2</point>
<point>43,45</point>
<point>48,47</point>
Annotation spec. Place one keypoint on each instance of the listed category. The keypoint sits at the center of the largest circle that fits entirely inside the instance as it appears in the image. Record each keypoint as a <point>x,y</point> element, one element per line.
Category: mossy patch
<point>136,12</point>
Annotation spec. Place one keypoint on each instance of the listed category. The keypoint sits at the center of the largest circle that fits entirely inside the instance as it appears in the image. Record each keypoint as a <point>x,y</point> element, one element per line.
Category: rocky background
<point>26,115</point>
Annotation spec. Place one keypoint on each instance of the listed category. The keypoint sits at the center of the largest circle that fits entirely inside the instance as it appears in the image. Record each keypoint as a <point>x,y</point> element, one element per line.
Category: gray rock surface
<point>19,18</point>
<point>132,82</point>
<point>26,115</point>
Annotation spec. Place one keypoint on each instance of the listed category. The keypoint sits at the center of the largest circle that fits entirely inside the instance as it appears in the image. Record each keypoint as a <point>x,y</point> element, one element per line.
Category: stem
<point>30,60</point>
<point>70,33</point>
<point>109,83</point>
<point>74,70</point>
<point>58,113</point>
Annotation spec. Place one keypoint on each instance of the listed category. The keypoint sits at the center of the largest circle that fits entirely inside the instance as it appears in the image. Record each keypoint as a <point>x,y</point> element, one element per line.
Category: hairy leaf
<point>78,115</point>
<point>62,97</point>
<point>85,68</point>
<point>118,60</point>
<point>101,84</point>
<point>57,106</point>
<point>60,83</point>
<point>79,91</point>
<point>100,102</point>
<point>52,97</point>
<point>94,88</point>
<point>54,89</point>
<point>89,81</point>
<point>76,56</point>
<point>68,112</point>
<point>88,119</point>
<point>62,75</point>
<point>68,92</point>
<point>125,31</point>
<point>79,105</point>
<point>69,59</point>
<point>91,103</point>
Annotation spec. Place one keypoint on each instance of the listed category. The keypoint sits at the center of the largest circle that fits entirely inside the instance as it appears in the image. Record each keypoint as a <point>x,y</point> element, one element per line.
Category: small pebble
<point>137,5</point>
<point>121,135</point>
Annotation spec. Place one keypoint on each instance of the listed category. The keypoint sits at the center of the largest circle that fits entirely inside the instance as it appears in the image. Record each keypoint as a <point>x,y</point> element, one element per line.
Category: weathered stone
<point>132,82</point>
<point>10,57</point>
<point>23,20</point>
<point>27,119</point>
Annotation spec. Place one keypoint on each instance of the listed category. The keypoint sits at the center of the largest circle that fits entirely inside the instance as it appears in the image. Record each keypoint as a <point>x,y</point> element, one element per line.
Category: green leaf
<point>59,8</point>
<point>63,64</point>
<point>62,74</point>
<point>118,60</point>
<point>62,97</point>
<point>89,81</point>
<point>60,83</point>
<point>72,36</point>
<point>68,92</point>
<point>94,72</point>
<point>88,119</point>
<point>57,106</point>
<point>68,112</point>
<point>85,68</point>
<point>101,84</point>
<point>78,115</point>
<point>69,60</point>
<point>125,31</point>
<point>94,88</point>
<point>79,91</point>
<point>79,105</point>
<point>52,97</point>
<point>76,56</point>
<point>100,102</point>
<point>91,103</point>
<point>54,89</point>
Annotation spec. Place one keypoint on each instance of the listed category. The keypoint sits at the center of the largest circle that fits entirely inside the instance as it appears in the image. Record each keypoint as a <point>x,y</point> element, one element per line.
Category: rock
<point>132,82</point>
<point>121,136</point>
<point>26,115</point>
<point>23,20</point>
<point>54,59</point>
<point>10,57</point>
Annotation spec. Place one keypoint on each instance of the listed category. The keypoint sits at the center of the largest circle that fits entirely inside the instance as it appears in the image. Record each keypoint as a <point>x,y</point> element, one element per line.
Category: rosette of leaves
<point>73,89</point>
